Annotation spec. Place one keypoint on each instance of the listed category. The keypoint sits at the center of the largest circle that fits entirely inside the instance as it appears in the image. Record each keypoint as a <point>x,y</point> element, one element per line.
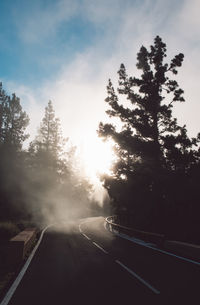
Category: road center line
<point>86,236</point>
<point>100,247</point>
<point>80,228</point>
<point>81,231</point>
<point>154,290</point>
<point>138,277</point>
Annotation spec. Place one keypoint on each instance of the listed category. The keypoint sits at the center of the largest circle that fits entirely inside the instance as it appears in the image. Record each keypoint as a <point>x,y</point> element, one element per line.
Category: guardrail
<point>147,236</point>
<point>181,248</point>
<point>16,249</point>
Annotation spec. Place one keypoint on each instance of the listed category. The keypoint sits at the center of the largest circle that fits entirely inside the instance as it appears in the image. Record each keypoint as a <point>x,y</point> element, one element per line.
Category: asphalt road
<point>82,263</point>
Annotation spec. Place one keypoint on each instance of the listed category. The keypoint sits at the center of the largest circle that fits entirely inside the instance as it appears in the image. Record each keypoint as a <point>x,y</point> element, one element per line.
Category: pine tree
<point>3,102</point>
<point>13,121</point>
<point>48,129</point>
<point>48,144</point>
<point>54,178</point>
<point>151,144</point>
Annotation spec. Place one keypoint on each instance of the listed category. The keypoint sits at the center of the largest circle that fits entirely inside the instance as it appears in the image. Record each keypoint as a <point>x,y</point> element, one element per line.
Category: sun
<point>97,157</point>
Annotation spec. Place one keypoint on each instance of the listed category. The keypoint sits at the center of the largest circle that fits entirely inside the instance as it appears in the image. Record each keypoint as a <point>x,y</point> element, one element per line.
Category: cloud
<point>78,90</point>
<point>182,35</point>
<point>188,22</point>
<point>78,86</point>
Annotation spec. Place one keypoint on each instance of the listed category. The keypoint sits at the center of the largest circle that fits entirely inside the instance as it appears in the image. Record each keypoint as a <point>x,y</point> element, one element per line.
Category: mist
<point>66,52</point>
<point>44,181</point>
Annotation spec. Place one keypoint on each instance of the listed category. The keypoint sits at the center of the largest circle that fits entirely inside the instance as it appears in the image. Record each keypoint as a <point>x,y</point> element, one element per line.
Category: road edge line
<point>138,277</point>
<point>102,249</point>
<point>124,236</point>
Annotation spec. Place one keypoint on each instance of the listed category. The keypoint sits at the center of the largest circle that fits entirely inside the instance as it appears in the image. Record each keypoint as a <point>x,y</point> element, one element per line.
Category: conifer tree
<point>48,144</point>
<point>13,121</point>
<point>54,178</point>
<point>150,144</point>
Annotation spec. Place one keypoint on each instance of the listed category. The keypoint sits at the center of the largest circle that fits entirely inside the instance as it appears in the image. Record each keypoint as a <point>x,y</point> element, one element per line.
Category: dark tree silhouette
<point>152,148</point>
<point>13,123</point>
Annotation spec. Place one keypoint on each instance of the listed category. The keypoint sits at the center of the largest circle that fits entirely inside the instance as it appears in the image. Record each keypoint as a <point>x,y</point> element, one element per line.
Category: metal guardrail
<point>181,248</point>
<point>147,236</point>
<point>17,248</point>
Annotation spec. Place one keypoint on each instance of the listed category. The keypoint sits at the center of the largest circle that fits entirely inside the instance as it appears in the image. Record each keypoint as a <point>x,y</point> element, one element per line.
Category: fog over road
<point>83,263</point>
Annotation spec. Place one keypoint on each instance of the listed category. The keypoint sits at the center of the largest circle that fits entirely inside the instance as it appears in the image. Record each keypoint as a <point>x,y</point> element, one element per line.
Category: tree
<point>49,136</point>
<point>57,188</point>
<point>150,145</point>
<point>13,123</point>
<point>49,143</point>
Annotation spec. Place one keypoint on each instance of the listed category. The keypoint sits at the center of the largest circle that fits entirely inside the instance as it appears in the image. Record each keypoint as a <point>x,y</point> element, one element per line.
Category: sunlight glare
<point>98,157</point>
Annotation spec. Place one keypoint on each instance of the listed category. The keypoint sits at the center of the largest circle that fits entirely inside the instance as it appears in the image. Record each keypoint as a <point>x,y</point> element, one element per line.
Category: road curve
<point>83,263</point>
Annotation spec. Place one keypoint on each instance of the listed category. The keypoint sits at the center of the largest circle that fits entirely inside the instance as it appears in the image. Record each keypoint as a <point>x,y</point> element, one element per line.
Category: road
<point>83,263</point>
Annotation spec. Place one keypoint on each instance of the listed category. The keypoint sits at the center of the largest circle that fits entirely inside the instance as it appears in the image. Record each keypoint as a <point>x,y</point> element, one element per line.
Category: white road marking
<point>14,286</point>
<point>138,277</point>
<point>86,236</point>
<point>144,244</point>
<point>90,239</point>
<point>126,268</point>
<point>100,247</point>
<point>81,231</point>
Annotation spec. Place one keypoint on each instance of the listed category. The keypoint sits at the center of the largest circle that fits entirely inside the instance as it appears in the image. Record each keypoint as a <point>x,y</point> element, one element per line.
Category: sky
<point>66,50</point>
